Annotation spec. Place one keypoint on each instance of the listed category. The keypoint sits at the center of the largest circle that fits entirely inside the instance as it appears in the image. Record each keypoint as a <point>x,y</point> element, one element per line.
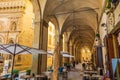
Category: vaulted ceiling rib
<point>83,15</point>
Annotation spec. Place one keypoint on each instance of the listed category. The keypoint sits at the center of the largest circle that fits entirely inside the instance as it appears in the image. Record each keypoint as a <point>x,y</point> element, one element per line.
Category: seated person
<point>68,67</point>
<point>61,70</point>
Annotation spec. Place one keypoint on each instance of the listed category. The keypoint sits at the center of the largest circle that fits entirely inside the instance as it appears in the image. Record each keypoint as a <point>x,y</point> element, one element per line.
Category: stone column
<point>75,53</point>
<point>96,58</point>
<point>39,61</point>
<point>68,49</point>
<point>65,60</point>
<point>61,49</point>
<point>78,54</point>
<point>71,52</point>
<point>74,50</point>
<point>56,60</point>
<point>99,57</point>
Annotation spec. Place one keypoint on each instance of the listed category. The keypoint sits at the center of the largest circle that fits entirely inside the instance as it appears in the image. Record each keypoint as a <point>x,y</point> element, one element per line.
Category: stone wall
<point>24,23</point>
<point>26,36</point>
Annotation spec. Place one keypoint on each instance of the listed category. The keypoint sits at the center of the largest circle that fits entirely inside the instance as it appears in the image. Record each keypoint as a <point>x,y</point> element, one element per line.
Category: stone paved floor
<point>76,74</point>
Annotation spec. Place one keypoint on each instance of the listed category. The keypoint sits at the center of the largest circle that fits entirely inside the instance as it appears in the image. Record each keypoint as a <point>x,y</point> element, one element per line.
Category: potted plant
<point>15,73</point>
<point>28,72</point>
<point>98,35</point>
<point>108,6</point>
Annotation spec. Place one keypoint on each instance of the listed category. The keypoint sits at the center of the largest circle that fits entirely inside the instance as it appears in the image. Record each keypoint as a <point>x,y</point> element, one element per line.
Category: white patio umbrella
<point>64,54</point>
<point>50,52</point>
<point>67,55</point>
<point>15,49</point>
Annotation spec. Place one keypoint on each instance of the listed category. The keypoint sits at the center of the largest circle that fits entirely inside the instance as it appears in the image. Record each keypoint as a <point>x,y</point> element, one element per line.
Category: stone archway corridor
<point>80,31</point>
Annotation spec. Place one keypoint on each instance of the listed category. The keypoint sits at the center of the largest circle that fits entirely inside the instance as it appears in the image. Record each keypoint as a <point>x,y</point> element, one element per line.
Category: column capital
<point>45,23</point>
<point>60,36</point>
<point>36,21</point>
<point>42,21</point>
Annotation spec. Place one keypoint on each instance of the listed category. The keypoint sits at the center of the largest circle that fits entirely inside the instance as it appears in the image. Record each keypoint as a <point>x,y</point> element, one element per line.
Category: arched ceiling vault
<point>82,17</point>
<point>81,47</point>
<point>83,35</point>
<point>82,44</point>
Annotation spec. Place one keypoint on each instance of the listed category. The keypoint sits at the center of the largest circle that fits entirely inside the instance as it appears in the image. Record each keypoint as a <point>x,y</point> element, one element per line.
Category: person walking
<point>84,66</point>
<point>73,64</point>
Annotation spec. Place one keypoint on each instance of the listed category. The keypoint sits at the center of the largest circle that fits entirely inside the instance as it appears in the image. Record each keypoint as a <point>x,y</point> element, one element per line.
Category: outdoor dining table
<point>26,77</point>
<point>86,77</point>
<point>90,72</point>
<point>48,74</point>
<point>36,77</point>
<point>97,77</point>
<point>2,78</point>
<point>40,77</point>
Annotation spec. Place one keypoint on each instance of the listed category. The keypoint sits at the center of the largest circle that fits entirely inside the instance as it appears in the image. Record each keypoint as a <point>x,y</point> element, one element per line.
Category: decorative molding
<point>110,21</point>
<point>10,15</point>
<point>12,6</point>
<point>2,39</point>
